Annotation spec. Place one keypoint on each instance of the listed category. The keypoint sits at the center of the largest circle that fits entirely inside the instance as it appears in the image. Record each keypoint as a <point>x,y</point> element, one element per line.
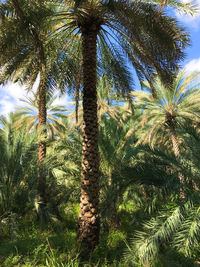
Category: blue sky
<point>192,24</point>
<point>11,94</point>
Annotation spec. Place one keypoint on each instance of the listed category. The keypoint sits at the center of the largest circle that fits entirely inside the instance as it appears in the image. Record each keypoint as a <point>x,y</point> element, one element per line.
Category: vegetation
<point>115,183</point>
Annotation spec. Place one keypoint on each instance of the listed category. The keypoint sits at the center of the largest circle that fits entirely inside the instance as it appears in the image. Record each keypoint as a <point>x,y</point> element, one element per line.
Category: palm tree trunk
<point>180,175</point>
<point>88,222</point>
<point>174,143</point>
<point>177,154</point>
<point>42,115</point>
<point>77,90</point>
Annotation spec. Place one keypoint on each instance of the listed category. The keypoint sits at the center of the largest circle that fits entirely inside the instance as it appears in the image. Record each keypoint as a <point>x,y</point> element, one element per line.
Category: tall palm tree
<point>29,53</point>
<point>151,41</point>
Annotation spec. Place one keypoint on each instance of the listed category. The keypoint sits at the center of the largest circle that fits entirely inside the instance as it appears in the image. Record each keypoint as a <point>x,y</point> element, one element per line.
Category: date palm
<point>174,225</point>
<point>117,170</point>
<point>163,118</point>
<point>55,114</point>
<point>151,41</point>
<point>24,58</point>
<point>28,53</point>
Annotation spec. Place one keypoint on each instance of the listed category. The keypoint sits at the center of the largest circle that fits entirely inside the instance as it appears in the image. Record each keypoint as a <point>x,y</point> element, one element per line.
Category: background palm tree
<point>55,114</point>
<point>29,49</point>
<point>117,171</point>
<point>163,118</point>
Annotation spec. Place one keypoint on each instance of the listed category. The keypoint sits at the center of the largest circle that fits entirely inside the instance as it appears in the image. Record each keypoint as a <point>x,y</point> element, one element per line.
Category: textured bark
<point>174,143</point>
<point>77,89</point>
<point>177,153</point>
<point>42,115</point>
<point>18,9</point>
<point>113,219</point>
<point>88,222</point>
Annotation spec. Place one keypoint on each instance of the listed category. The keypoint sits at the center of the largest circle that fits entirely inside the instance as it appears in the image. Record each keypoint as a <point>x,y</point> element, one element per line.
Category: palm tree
<point>30,49</point>
<point>117,169</point>
<point>173,225</point>
<point>55,114</point>
<point>151,41</point>
<point>30,54</point>
<point>164,117</point>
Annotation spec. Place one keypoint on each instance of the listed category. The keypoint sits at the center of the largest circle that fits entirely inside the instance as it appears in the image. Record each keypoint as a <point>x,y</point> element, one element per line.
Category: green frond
<point>159,231</point>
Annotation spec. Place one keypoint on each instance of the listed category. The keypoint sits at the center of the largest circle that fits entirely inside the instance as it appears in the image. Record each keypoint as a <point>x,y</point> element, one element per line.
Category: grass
<point>57,246</point>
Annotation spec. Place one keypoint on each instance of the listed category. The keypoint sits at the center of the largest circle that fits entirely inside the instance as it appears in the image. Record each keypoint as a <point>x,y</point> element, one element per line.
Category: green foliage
<point>173,226</point>
<point>139,195</point>
<point>115,237</point>
<point>17,156</point>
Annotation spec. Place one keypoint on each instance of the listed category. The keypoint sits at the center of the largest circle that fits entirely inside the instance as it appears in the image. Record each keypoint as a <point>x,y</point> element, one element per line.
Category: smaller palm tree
<point>55,114</point>
<point>163,119</point>
<point>116,168</point>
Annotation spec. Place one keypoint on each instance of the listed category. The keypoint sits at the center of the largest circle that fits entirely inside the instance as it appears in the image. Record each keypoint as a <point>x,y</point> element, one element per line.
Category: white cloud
<point>6,107</point>
<point>11,93</point>
<point>62,100</point>
<point>193,65</point>
<point>188,20</point>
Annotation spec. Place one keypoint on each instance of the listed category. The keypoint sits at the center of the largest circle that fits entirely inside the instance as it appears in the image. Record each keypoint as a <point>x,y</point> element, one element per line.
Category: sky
<point>10,94</point>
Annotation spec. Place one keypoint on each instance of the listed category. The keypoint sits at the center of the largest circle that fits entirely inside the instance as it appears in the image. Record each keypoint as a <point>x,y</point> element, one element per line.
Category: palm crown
<point>171,110</point>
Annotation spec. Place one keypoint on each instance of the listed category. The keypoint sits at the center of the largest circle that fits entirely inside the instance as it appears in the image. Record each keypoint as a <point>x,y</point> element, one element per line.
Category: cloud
<point>193,65</point>
<point>11,93</point>
<point>188,20</point>
<point>61,100</point>
<point>6,107</point>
